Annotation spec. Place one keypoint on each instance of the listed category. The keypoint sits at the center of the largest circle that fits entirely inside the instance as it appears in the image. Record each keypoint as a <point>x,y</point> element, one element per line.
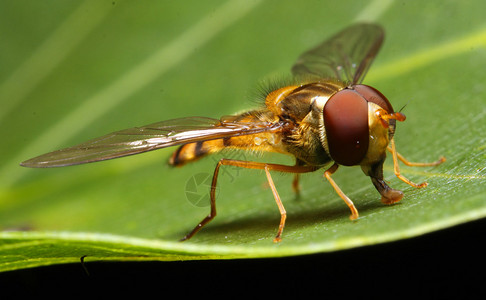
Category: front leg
<point>396,168</point>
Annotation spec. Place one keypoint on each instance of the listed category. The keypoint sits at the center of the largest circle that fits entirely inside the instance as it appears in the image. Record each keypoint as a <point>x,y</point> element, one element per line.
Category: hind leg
<point>251,165</point>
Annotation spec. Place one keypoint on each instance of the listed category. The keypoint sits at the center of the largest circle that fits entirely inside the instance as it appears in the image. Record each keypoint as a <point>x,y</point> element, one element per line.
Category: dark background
<point>444,264</point>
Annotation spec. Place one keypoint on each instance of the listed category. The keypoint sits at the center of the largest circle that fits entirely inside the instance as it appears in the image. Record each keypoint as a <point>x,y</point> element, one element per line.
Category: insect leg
<point>212,212</point>
<point>396,156</point>
<point>417,164</point>
<point>349,203</point>
<point>251,165</point>
<point>295,182</point>
<point>281,208</point>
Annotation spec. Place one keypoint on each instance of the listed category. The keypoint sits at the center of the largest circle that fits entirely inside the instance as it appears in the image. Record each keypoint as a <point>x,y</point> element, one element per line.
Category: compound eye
<point>373,95</point>
<point>346,124</point>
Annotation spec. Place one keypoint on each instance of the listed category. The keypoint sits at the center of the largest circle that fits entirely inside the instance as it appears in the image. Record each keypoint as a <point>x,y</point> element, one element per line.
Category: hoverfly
<point>326,118</point>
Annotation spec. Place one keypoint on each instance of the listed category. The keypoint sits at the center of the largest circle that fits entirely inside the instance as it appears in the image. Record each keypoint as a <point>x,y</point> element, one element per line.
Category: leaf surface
<point>77,72</point>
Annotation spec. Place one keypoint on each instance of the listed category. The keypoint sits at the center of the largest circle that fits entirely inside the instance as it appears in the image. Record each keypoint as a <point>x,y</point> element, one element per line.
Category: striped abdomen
<point>194,151</point>
<point>262,142</point>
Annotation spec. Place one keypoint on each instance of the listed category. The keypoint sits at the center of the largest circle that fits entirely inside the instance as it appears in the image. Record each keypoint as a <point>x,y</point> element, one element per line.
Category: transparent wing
<point>346,56</point>
<point>151,137</point>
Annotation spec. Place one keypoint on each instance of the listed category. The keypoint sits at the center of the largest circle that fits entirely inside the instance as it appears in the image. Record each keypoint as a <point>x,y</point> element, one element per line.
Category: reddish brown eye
<point>346,123</point>
<point>373,95</point>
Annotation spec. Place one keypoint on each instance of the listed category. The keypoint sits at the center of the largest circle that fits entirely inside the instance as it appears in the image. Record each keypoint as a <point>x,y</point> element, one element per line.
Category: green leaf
<point>73,71</point>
